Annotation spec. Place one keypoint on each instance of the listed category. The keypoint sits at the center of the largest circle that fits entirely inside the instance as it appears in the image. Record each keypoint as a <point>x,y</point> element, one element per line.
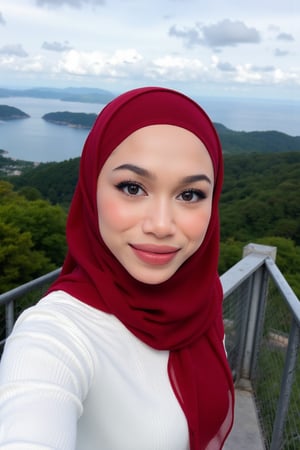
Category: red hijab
<point>183,314</point>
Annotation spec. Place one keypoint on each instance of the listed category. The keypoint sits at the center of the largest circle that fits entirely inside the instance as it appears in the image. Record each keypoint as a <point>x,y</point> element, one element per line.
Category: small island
<point>71,119</point>
<point>11,113</point>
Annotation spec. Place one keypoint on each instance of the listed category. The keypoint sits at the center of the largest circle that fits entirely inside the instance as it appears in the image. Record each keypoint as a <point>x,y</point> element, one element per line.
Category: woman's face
<point>154,199</point>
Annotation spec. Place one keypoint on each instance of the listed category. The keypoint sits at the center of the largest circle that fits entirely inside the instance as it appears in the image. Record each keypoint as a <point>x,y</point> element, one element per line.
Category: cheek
<point>109,213</point>
<point>113,214</point>
<point>195,226</point>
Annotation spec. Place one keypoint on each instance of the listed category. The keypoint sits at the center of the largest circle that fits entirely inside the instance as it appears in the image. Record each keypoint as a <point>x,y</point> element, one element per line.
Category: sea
<point>36,140</point>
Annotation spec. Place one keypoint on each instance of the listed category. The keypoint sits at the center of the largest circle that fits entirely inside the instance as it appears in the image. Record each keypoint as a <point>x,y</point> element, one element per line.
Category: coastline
<point>68,124</point>
<point>39,140</point>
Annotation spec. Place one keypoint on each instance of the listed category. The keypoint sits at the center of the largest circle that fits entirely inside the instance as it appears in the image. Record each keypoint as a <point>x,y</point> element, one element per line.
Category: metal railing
<point>13,302</point>
<point>262,324</point>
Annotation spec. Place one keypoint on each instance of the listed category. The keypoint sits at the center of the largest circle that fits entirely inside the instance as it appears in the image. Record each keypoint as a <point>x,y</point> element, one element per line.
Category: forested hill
<point>261,196</point>
<point>256,141</point>
<point>256,188</point>
<point>259,203</point>
<point>11,113</point>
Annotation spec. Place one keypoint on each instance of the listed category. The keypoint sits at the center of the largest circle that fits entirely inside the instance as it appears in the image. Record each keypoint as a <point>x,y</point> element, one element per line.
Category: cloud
<point>225,67</point>
<point>176,68</point>
<point>229,33</point>
<point>98,63</point>
<point>274,28</point>
<point>13,50</point>
<point>266,76</point>
<point>190,36</point>
<point>251,74</point>
<point>254,68</point>
<point>56,46</point>
<point>71,3</point>
<point>2,21</point>
<point>221,34</point>
<point>127,65</point>
<point>285,37</point>
<point>279,52</point>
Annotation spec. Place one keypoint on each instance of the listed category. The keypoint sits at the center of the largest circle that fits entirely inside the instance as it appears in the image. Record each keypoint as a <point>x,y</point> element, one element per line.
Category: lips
<point>154,254</point>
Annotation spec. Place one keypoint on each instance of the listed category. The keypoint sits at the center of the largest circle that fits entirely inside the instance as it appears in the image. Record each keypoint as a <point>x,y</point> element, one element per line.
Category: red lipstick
<point>154,254</point>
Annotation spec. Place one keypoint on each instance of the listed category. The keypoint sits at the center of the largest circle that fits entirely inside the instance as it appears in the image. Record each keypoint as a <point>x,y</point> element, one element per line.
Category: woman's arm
<point>45,372</point>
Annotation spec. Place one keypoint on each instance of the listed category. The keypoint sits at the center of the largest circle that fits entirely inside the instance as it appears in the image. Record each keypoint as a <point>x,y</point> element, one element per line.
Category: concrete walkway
<point>246,434</point>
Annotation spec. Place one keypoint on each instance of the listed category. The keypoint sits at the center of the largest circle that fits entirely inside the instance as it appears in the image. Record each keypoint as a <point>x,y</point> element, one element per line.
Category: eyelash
<point>194,192</point>
<point>125,185</point>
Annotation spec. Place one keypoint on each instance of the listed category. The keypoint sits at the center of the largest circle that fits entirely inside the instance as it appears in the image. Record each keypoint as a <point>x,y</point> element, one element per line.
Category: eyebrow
<point>136,169</point>
<point>145,173</point>
<point>193,178</point>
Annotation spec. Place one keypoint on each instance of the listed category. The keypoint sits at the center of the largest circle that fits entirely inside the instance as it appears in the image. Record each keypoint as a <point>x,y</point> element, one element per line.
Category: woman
<point>126,350</point>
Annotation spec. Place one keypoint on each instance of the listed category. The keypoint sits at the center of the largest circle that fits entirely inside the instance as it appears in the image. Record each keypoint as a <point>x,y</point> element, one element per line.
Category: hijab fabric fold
<point>183,314</point>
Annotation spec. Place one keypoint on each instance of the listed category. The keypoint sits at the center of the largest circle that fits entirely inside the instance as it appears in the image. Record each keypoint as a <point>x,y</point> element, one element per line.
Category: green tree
<point>32,237</point>
<point>30,193</point>
<point>45,222</point>
<point>55,181</point>
<point>6,192</point>
<point>230,253</point>
<point>19,262</point>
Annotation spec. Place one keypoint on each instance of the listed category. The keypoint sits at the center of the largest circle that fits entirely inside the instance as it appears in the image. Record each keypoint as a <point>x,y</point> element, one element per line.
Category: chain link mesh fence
<point>268,365</point>
<point>269,370</point>
<point>235,309</point>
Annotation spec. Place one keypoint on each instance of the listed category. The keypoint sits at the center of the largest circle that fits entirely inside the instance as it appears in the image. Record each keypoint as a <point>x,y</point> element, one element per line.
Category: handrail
<point>7,298</point>
<point>11,295</point>
<point>238,273</point>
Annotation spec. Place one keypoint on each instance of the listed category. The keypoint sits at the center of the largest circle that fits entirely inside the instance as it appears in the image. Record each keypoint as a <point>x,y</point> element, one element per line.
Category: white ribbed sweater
<point>73,377</point>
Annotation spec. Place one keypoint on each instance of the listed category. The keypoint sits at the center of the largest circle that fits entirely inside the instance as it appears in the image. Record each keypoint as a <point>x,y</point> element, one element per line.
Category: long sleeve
<point>75,378</point>
<point>45,373</point>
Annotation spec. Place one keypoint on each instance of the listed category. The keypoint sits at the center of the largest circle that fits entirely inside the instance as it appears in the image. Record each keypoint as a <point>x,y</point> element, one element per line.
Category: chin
<point>151,278</point>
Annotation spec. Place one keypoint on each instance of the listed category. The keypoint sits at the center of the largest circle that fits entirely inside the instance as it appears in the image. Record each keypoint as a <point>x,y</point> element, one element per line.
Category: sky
<point>213,47</point>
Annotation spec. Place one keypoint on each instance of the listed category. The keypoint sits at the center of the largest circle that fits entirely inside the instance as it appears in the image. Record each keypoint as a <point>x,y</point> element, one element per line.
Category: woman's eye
<point>192,195</point>
<point>130,188</point>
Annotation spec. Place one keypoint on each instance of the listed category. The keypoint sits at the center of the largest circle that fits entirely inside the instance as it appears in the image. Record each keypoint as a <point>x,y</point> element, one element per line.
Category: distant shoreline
<point>38,140</point>
<point>68,124</point>
<point>83,95</point>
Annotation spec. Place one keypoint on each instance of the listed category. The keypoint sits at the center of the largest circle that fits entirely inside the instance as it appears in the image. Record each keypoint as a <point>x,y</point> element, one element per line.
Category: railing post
<point>255,310</point>
<point>10,298</point>
<point>9,317</point>
<point>243,314</point>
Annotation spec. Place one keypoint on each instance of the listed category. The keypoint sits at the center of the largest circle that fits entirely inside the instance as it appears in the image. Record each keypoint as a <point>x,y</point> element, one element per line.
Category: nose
<point>159,218</point>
